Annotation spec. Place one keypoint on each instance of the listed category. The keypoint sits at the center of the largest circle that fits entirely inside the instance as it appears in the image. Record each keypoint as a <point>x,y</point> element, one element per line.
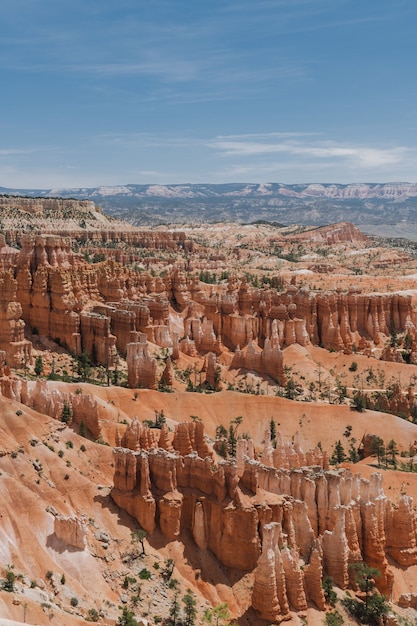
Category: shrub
<point>127,618</point>
<point>329,593</point>
<point>8,584</point>
<point>127,581</point>
<point>93,615</point>
<point>74,602</point>
<point>334,619</point>
<point>145,574</point>
<point>359,402</point>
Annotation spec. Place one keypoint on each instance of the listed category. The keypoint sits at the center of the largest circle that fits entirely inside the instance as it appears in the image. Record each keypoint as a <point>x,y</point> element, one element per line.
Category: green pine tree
<point>190,611</point>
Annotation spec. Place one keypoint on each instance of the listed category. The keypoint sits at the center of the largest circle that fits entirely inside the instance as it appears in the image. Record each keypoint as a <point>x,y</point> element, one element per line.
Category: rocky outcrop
<point>408,601</point>
<point>12,339</point>
<point>46,250</point>
<point>269,595</point>
<point>86,409</point>
<point>269,361</point>
<point>141,367</point>
<point>71,531</point>
<point>8,255</point>
<point>400,532</point>
<point>294,525</point>
<point>36,206</point>
<point>97,339</point>
<point>343,232</point>
<point>334,320</point>
<point>203,334</point>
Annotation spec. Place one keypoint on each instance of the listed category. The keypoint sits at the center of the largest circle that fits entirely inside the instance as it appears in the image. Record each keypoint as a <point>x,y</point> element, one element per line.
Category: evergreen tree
<point>115,376</point>
<point>138,536</point>
<point>359,402</point>
<point>190,610</point>
<point>273,429</point>
<point>174,610</point>
<point>231,442</point>
<point>353,451</point>
<point>375,605</point>
<point>66,413</point>
<point>52,374</point>
<point>84,366</point>
<point>290,389</point>
<point>127,618</point>
<point>392,453</point>
<point>221,432</point>
<point>232,436</point>
<point>329,593</point>
<point>38,365</point>
<point>393,335</point>
<point>339,455</point>
<point>218,615</point>
<point>378,448</point>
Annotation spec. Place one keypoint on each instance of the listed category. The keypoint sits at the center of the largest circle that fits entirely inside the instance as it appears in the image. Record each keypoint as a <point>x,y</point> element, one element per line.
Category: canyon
<point>141,370</point>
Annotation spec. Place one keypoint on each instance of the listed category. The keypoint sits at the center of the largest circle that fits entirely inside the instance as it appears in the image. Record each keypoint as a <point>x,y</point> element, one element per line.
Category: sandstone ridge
<point>286,519</point>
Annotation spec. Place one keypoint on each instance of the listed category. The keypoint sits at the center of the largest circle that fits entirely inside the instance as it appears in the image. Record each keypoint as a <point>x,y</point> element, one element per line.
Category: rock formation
<point>71,531</point>
<point>99,308</point>
<point>289,526</point>
<point>12,339</point>
<point>268,361</point>
<point>141,367</point>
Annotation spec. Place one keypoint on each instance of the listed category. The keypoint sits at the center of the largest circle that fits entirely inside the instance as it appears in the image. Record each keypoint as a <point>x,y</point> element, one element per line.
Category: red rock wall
<point>291,527</point>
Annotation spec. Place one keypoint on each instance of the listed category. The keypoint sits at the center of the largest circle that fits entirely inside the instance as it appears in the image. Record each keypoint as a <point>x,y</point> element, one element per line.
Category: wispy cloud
<point>366,156</point>
<point>14,152</point>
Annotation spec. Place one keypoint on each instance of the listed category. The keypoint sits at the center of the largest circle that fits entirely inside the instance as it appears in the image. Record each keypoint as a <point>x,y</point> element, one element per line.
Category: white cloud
<point>365,156</point>
<point>13,152</point>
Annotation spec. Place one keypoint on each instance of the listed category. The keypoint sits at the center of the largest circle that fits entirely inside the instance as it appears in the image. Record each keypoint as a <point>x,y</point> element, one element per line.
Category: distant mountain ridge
<point>312,203</point>
<point>394,190</point>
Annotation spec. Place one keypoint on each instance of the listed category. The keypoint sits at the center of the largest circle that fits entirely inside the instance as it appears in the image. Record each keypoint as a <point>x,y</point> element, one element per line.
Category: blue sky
<point>106,92</point>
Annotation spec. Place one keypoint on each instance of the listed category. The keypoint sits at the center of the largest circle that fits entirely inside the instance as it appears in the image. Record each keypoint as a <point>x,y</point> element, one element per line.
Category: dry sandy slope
<point>71,485</point>
<point>78,484</point>
<point>313,420</point>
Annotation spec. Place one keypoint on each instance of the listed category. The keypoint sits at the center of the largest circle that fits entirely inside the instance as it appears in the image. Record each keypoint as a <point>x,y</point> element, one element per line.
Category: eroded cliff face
<point>101,309</point>
<point>12,339</point>
<point>286,518</point>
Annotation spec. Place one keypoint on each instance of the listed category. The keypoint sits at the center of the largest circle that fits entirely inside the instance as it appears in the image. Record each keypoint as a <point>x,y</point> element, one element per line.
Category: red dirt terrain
<point>222,390</point>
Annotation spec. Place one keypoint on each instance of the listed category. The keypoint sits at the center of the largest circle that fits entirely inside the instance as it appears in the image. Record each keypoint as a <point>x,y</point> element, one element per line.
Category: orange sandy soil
<point>79,484</point>
<point>314,421</point>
